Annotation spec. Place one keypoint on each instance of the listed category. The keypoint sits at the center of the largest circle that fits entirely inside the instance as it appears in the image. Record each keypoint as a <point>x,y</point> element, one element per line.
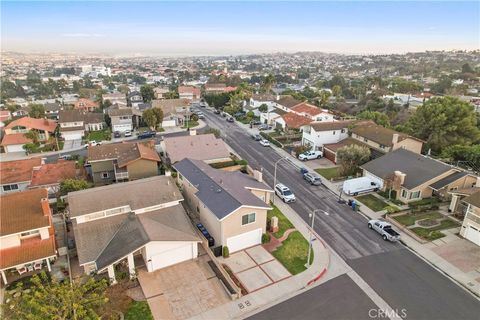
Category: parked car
<point>284,193</point>
<point>264,127</point>
<point>216,111</point>
<point>92,144</point>
<point>65,157</point>
<point>239,114</point>
<point>223,114</point>
<point>256,137</point>
<point>265,143</point>
<point>310,155</point>
<point>255,122</point>
<point>128,133</point>
<point>203,104</point>
<point>312,178</point>
<point>385,229</point>
<point>147,134</point>
<point>117,134</point>
<point>230,119</point>
<point>359,185</point>
<point>201,115</point>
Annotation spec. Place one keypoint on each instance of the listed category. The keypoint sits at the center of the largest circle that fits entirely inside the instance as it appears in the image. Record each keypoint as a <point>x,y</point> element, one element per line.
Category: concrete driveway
<point>183,290</point>
<point>256,268</point>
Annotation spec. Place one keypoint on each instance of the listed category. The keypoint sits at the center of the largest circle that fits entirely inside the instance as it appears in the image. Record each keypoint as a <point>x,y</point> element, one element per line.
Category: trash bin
<point>350,202</point>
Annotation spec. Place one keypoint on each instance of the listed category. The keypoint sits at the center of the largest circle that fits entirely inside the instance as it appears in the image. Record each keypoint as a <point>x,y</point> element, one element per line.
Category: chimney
<point>45,207</point>
<point>193,132</point>
<point>401,176</point>
<point>395,138</point>
<point>258,175</point>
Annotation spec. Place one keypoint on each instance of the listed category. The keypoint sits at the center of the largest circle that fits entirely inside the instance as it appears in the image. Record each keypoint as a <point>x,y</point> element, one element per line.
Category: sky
<point>224,28</point>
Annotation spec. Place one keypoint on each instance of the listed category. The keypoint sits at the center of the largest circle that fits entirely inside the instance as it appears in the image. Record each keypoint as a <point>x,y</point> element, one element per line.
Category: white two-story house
<point>121,119</point>
<point>317,134</point>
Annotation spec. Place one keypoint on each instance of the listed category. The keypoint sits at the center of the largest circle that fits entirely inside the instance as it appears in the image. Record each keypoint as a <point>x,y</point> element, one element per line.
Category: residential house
<point>121,119</point>
<point>5,115</point>
<point>52,109</point>
<point>85,105</point>
<point>316,114</point>
<point>256,100</point>
<point>286,103</point>
<point>134,99</point>
<point>74,123</point>
<point>318,134</point>
<point>189,92</point>
<point>457,207</point>
<point>416,176</point>
<point>291,120</point>
<point>160,92</point>
<point>17,175</point>
<point>117,98</point>
<point>199,147</point>
<point>217,88</point>
<point>50,175</point>
<point>115,162</point>
<point>471,223</point>
<point>140,220</point>
<point>19,113</point>
<point>232,206</point>
<point>15,138</point>
<point>175,111</point>
<point>27,237</point>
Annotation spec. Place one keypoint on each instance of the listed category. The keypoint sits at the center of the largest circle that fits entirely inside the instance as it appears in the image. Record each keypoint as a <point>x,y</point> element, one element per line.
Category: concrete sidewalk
<point>282,290</point>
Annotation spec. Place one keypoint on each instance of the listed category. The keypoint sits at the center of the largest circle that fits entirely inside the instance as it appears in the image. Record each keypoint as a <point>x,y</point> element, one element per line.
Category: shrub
<point>226,252</point>
<point>265,238</point>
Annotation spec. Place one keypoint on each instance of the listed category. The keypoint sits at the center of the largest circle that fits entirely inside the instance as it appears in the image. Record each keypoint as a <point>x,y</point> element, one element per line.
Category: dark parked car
<point>147,134</point>
<point>216,111</point>
<point>117,134</point>
<point>256,137</point>
<point>255,122</point>
<point>230,119</point>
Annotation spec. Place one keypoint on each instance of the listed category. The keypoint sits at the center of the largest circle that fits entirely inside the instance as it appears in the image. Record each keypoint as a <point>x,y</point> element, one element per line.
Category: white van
<point>359,185</point>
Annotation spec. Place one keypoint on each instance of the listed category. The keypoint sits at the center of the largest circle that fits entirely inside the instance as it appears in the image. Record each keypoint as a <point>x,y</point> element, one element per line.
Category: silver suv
<point>312,178</point>
<point>284,193</point>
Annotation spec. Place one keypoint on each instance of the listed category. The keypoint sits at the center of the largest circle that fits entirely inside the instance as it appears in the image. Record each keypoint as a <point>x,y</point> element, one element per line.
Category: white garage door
<point>169,123</point>
<point>172,256</point>
<point>473,234</point>
<point>15,148</point>
<point>72,136</point>
<point>244,240</point>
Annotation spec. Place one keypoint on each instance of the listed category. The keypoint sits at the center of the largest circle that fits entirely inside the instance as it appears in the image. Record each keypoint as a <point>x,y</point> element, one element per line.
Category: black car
<point>230,119</point>
<point>216,111</point>
<point>117,134</point>
<point>255,122</point>
<point>256,137</point>
<point>147,134</point>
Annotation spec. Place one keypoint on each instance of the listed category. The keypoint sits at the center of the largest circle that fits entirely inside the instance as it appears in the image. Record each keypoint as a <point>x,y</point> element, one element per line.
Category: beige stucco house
<point>232,206</point>
<point>471,224</point>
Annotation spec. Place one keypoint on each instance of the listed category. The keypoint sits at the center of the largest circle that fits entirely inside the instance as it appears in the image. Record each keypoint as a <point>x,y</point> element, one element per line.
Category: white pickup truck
<point>385,229</point>
<point>310,155</point>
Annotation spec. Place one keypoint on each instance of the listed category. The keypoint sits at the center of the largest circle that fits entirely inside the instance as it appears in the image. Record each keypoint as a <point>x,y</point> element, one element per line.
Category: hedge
<point>225,164</point>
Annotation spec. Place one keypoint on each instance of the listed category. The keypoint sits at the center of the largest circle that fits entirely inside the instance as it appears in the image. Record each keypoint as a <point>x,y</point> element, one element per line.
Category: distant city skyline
<point>230,28</point>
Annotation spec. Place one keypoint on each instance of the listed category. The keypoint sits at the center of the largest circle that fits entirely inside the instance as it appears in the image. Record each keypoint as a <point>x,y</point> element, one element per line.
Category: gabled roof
<point>18,170</point>
<point>30,250</point>
<point>288,101</point>
<point>169,106</point>
<point>137,194</point>
<point>329,126</point>
<point>189,89</point>
<point>198,147</point>
<point>120,112</point>
<point>447,180</point>
<point>15,138</point>
<point>123,152</point>
<point>418,168</point>
<point>295,121</point>
<point>53,173</point>
<point>70,116</point>
<point>473,199</point>
<point>307,108</point>
<point>22,211</point>
<point>93,117</point>
<point>39,124</point>
<point>221,191</point>
<point>378,133</point>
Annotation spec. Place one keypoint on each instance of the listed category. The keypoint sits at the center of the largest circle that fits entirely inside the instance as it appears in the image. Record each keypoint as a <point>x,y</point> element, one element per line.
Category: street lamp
<point>312,216</point>
<point>275,175</point>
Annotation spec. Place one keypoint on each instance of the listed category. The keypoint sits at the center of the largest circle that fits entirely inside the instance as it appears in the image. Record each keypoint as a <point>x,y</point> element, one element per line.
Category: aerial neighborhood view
<point>240,160</point>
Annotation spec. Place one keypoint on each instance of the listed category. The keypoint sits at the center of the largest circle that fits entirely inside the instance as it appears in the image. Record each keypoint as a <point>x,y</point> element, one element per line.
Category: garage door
<point>172,256</point>
<point>14,148</point>
<point>73,136</point>
<point>473,234</point>
<point>329,155</point>
<point>244,240</point>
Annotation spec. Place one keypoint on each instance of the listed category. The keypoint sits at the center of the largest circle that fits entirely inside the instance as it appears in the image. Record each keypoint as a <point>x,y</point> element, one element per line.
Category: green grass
<point>328,173</point>
<point>283,223</point>
<point>191,124</point>
<point>428,234</point>
<point>100,135</point>
<point>409,219</point>
<point>138,310</point>
<point>293,253</point>
<point>373,202</point>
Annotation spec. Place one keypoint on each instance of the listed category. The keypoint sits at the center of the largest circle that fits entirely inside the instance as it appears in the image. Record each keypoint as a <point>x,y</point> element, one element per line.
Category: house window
<point>365,139</point>
<point>333,132</point>
<point>404,193</point>
<point>342,131</point>
<point>105,175</point>
<point>10,187</point>
<point>415,195</point>
<point>29,233</point>
<point>248,218</point>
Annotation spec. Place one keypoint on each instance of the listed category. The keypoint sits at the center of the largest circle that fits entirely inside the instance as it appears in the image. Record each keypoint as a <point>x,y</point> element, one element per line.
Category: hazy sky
<point>197,28</point>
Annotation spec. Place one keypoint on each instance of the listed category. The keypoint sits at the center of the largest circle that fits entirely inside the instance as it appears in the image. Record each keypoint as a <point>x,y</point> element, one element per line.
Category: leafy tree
<point>150,118</point>
<point>158,116</point>
<point>463,153</point>
<point>32,135</point>
<point>324,96</point>
<point>147,93</point>
<point>444,122</point>
<point>377,117</point>
<point>250,114</point>
<point>268,83</point>
<point>263,108</point>
<point>10,90</point>
<point>71,185</point>
<point>351,157</point>
<point>336,91</point>
<point>442,85</point>
<point>51,299</point>
<point>215,132</point>
<point>171,95</point>
<point>466,68</point>
<point>36,111</point>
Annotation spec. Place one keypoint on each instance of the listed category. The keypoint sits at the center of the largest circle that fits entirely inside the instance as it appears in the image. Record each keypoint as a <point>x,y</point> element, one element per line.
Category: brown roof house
<point>14,138</point>
<point>17,175</point>
<point>50,175</point>
<point>232,206</point>
<point>189,92</point>
<point>123,161</point>
<point>74,123</point>
<point>27,237</point>
<point>142,218</point>
<point>199,147</point>
<point>471,223</point>
<point>121,119</point>
<point>175,111</point>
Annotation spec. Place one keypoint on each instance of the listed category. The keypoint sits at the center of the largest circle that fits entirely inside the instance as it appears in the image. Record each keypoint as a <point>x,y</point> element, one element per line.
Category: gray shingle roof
<point>447,180</point>
<point>221,191</point>
<point>418,168</point>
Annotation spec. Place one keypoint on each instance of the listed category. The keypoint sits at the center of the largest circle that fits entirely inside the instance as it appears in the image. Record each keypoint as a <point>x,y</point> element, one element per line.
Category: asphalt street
<point>401,278</point>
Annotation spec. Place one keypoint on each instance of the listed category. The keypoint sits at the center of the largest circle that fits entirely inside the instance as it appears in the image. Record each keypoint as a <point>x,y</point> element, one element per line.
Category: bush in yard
<point>351,158</point>
<point>301,149</point>
<point>265,238</point>
<point>225,252</point>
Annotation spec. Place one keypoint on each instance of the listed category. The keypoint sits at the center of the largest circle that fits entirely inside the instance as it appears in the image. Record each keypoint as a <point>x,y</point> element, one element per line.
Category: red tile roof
<point>53,173</point>
<point>15,138</point>
<point>30,250</point>
<point>189,89</point>
<point>32,123</point>
<point>18,170</point>
<point>307,108</point>
<point>83,104</point>
<point>295,121</point>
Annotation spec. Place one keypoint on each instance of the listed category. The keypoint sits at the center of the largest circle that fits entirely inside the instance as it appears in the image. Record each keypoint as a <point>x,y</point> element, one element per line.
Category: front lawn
<point>409,219</point>
<point>100,135</point>
<point>191,124</point>
<point>283,223</point>
<point>328,173</point>
<point>428,234</point>
<point>138,310</point>
<point>293,253</point>
<point>373,202</point>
